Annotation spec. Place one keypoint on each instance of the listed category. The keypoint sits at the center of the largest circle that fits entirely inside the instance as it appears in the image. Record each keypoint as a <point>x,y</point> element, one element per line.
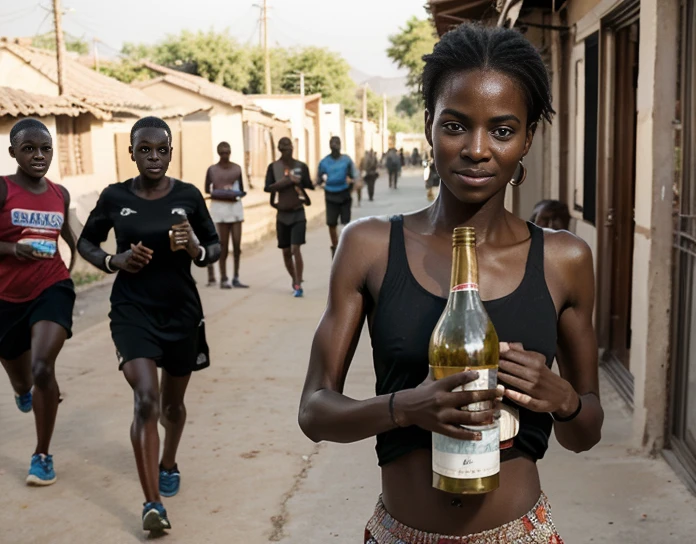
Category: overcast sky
<point>357,29</point>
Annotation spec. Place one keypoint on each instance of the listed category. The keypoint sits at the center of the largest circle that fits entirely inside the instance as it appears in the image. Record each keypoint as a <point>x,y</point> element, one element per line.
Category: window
<point>74,145</point>
<point>589,177</point>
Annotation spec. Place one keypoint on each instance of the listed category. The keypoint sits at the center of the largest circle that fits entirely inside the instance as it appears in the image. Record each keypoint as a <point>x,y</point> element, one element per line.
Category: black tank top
<point>406,315</point>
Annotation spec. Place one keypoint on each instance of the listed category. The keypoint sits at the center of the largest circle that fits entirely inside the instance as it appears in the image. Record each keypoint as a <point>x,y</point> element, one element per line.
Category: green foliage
<point>218,57</point>
<point>408,106</point>
<point>72,43</point>
<point>407,48</point>
<point>401,121</point>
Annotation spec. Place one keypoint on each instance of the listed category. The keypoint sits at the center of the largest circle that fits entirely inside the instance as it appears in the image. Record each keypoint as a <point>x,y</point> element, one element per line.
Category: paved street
<point>248,473</point>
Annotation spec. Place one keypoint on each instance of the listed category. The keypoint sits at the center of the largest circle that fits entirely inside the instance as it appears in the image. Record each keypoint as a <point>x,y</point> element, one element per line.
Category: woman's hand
<point>436,407</point>
<point>540,389</point>
<point>184,237</point>
<point>133,260</point>
<point>27,251</point>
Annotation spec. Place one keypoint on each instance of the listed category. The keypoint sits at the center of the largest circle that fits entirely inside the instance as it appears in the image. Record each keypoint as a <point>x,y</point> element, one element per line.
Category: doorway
<point>617,211</point>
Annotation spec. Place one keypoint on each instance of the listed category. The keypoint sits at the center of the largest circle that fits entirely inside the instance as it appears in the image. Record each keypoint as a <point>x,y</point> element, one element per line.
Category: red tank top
<point>36,220</point>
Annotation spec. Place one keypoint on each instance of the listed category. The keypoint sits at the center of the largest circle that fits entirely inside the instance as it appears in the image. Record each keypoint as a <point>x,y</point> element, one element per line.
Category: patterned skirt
<point>535,527</point>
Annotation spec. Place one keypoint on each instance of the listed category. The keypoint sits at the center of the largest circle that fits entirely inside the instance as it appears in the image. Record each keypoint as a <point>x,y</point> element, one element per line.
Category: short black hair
<point>25,124</point>
<point>284,139</point>
<point>224,144</point>
<point>150,122</point>
<point>472,46</point>
<point>555,207</point>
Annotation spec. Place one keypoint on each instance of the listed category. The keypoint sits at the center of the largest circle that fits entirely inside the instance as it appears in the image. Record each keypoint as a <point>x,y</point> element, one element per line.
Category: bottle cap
<point>464,236</point>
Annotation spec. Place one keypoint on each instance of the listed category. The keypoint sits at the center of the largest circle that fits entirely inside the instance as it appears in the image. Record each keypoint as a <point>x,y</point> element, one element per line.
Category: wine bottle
<point>465,339</point>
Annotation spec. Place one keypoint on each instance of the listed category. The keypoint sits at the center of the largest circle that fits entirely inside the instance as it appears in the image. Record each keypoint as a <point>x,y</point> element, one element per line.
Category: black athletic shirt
<point>162,297</point>
<point>406,315</point>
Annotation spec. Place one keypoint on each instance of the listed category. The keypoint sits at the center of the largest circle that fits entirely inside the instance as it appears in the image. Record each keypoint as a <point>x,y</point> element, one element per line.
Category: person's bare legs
<point>47,339</point>
<point>237,252</point>
<point>224,234</point>
<point>173,415</point>
<point>290,264</point>
<point>141,375</point>
<point>19,372</point>
<point>296,253</point>
<point>333,234</point>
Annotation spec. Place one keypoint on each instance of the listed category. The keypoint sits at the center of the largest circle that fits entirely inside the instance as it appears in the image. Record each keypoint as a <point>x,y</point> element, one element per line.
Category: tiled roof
<point>194,84</point>
<point>16,102</point>
<point>83,83</point>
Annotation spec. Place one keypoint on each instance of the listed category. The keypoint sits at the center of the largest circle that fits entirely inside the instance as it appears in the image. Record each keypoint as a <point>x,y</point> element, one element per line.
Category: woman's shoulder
<point>367,236</point>
<point>567,256</point>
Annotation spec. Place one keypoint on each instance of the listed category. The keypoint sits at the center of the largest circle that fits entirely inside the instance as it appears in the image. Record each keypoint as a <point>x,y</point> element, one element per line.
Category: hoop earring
<point>523,176</point>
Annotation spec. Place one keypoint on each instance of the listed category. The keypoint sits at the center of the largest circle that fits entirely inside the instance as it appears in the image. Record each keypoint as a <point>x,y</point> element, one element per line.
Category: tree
<point>413,41</point>
<point>72,43</point>
<point>408,106</point>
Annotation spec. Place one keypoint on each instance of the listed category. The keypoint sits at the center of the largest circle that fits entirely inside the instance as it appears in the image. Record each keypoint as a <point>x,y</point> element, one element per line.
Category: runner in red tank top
<point>36,293</point>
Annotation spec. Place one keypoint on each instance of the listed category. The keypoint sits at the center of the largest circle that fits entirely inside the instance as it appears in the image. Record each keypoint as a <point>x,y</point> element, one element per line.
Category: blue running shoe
<point>169,481</point>
<point>41,470</point>
<point>24,402</point>
<point>155,517</point>
<point>298,292</point>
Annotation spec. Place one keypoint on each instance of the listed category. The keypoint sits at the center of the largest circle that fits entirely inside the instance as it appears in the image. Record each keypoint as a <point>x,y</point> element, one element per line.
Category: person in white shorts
<point>224,184</point>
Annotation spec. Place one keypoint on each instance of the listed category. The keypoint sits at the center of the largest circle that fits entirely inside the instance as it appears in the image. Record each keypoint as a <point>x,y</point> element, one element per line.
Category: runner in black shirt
<point>156,314</point>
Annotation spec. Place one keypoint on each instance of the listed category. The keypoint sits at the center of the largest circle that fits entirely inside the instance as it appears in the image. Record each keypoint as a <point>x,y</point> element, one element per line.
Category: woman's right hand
<point>133,260</point>
<point>26,251</point>
<point>436,407</point>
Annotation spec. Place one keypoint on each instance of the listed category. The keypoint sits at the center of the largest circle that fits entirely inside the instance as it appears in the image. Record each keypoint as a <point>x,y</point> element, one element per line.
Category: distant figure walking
<point>337,173</point>
<point>369,166</point>
<point>286,180</point>
<point>551,214</point>
<point>224,184</point>
<point>393,162</point>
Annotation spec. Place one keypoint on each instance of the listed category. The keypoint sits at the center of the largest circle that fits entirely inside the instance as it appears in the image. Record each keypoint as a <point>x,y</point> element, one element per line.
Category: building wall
<point>657,92</point>
<point>333,122</point>
<point>228,128</point>
<point>292,109</point>
<point>16,73</point>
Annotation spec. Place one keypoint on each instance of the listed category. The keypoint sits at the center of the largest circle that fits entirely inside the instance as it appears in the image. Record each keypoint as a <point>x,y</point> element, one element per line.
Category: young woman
<point>36,293</point>
<point>156,314</point>
<point>485,90</point>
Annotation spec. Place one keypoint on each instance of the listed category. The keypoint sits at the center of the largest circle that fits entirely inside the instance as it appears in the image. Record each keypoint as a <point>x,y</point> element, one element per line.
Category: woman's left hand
<point>539,388</point>
<point>186,238</point>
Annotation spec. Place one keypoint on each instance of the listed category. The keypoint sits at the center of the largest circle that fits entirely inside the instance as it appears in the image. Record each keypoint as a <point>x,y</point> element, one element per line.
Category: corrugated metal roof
<point>83,83</point>
<point>16,103</point>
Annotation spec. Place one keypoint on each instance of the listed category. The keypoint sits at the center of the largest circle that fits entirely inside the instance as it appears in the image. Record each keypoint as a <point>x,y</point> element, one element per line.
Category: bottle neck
<point>464,268</point>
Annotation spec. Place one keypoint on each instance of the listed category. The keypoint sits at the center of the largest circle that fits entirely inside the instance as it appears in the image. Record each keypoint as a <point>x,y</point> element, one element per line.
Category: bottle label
<point>467,459</point>
<point>465,287</point>
<point>487,379</point>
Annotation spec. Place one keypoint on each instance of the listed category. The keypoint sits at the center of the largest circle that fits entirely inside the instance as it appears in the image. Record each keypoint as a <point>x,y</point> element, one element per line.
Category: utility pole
<point>266,52</point>
<point>364,104</point>
<point>385,124</point>
<point>95,52</point>
<point>60,46</point>
<point>302,88</point>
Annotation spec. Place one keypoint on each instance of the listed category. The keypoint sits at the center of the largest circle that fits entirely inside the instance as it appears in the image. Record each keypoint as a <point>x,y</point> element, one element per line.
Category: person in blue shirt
<point>337,173</point>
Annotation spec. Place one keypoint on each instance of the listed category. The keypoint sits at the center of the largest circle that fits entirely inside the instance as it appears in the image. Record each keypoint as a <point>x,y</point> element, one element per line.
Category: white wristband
<point>201,257</point>
<point>107,263</point>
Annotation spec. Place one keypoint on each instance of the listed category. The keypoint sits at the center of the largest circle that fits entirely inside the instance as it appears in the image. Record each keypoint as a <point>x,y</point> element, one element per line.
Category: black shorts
<point>291,235</point>
<point>179,357</point>
<point>54,304</point>
<point>338,205</point>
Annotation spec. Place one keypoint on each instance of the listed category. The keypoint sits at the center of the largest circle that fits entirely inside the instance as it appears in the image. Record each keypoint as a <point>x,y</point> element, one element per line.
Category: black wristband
<point>572,416</point>
<point>391,409</point>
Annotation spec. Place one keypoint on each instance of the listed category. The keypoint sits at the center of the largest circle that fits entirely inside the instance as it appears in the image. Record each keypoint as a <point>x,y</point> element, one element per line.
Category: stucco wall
<point>16,73</point>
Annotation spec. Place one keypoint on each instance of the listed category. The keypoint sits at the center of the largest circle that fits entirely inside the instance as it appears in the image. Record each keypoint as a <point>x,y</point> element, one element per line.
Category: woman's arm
<point>325,412</point>
<point>204,230</point>
<point>577,353</point>
<point>66,232</point>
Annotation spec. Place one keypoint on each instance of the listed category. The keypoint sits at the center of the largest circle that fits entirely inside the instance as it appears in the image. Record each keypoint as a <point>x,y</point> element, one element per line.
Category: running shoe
<point>169,481</point>
<point>155,517</point>
<point>225,284</point>
<point>24,401</point>
<point>41,471</point>
<point>298,291</point>
<point>238,284</point>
